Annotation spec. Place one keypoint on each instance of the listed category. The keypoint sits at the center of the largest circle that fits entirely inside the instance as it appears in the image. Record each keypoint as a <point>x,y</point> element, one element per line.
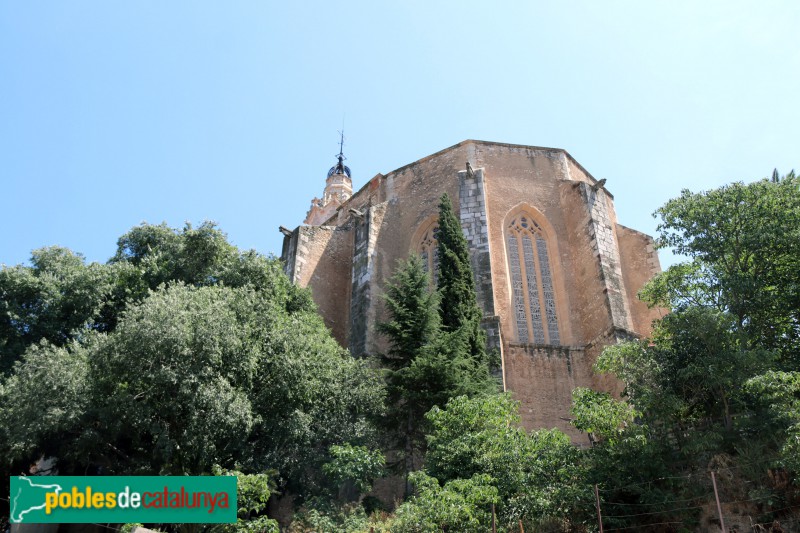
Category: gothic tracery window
<point>532,291</point>
<point>428,250</point>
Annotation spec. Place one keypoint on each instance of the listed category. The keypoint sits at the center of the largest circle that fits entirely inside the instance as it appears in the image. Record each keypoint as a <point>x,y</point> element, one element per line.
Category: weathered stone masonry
<point>475,223</point>
<point>582,269</point>
<point>362,310</point>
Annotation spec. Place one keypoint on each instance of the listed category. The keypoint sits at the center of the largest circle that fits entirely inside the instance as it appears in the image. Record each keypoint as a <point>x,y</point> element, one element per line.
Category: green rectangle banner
<point>123,499</point>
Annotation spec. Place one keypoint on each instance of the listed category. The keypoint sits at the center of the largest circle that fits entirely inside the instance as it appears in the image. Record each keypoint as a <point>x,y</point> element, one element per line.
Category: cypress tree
<point>425,366</point>
<point>459,309</point>
<point>413,310</point>
<point>413,325</point>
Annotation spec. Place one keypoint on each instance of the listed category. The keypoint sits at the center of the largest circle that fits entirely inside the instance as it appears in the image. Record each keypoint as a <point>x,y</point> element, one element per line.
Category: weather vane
<point>341,145</point>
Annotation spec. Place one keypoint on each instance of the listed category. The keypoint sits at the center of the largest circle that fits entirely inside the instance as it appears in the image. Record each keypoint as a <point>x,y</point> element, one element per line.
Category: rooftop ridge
<point>475,141</point>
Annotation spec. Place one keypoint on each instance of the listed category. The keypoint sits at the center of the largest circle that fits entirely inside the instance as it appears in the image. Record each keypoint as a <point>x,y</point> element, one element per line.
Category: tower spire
<point>340,166</point>
<point>338,189</point>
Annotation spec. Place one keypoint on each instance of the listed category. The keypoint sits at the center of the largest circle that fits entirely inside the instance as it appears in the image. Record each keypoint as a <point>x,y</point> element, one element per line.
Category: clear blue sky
<point>114,113</point>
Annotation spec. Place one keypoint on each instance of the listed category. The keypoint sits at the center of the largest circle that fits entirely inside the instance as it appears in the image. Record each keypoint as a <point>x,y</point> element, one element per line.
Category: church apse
<point>555,275</point>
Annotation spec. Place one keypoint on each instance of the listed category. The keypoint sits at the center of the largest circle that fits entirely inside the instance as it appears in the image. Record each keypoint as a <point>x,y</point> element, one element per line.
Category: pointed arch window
<point>428,249</point>
<point>531,282</point>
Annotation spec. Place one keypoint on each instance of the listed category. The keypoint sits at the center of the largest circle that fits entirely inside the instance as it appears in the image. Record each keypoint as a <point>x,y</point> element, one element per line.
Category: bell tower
<point>338,188</point>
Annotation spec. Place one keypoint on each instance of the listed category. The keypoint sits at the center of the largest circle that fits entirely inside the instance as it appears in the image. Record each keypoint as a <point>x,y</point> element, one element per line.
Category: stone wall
<point>541,378</point>
<point>472,212</point>
<point>406,198</point>
<point>597,265</point>
<point>606,251</point>
<point>639,261</point>
<point>320,257</point>
<point>362,304</point>
<point>588,290</point>
<point>475,224</point>
<point>593,350</point>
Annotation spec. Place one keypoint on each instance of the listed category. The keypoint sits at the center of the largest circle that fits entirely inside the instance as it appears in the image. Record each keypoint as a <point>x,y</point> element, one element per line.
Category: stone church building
<point>556,275</point>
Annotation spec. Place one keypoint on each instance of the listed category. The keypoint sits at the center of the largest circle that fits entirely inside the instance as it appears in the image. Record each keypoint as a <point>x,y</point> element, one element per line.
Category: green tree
<point>413,313</point>
<point>175,376</point>
<point>707,386</point>
<point>44,404</point>
<point>735,311</point>
<point>413,325</point>
<point>425,366</point>
<point>324,516</point>
<point>696,366</point>
<point>459,308</point>
<point>598,414</point>
<point>252,496</point>
<point>196,256</point>
<point>56,298</point>
<point>687,387</point>
<point>743,242</point>
<point>352,469</point>
<point>59,297</point>
<point>149,256</point>
<point>461,505</point>
<point>193,376</point>
<point>628,461</point>
<point>778,395</point>
<point>538,476</point>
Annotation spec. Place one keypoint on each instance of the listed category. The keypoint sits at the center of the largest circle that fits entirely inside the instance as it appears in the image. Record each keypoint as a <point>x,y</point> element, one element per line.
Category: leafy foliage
<point>235,368</point>
<point>538,476</point>
<point>687,385</point>
<point>743,241</point>
<point>461,505</point>
<point>59,297</point>
<point>324,516</point>
<point>598,414</point>
<point>716,384</point>
<point>779,392</point>
<point>50,300</point>
<point>413,311</point>
<point>426,366</point>
<point>357,465</point>
<point>253,492</point>
<point>692,371</point>
<point>175,376</point>
<point>49,392</point>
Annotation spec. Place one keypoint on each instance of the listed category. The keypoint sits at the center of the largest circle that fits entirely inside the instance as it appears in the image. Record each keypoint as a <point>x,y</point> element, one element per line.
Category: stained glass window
<point>532,293</point>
